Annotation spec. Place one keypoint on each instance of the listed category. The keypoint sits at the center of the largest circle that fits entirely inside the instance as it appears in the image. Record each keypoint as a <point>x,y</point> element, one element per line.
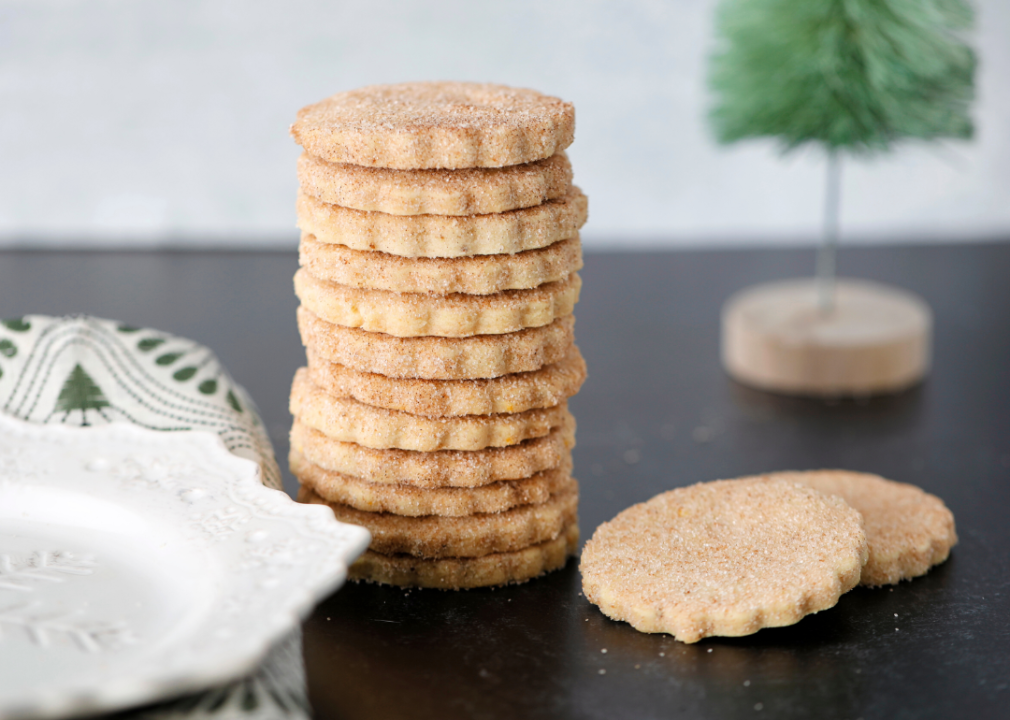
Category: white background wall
<point>143,122</point>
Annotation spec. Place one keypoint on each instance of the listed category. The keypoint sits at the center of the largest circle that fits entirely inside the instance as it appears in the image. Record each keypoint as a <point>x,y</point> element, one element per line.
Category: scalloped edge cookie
<point>411,501</point>
<point>513,393</point>
<point>473,191</point>
<point>908,530</point>
<point>434,536</point>
<point>445,236</point>
<point>435,125</point>
<point>351,421</point>
<point>443,468</point>
<point>475,275</point>
<point>724,558</point>
<point>464,573</point>
<point>437,358</point>
<point>425,315</point>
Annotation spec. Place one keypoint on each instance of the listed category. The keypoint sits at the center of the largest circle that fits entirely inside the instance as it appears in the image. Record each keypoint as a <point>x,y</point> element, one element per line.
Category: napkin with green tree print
<point>82,370</point>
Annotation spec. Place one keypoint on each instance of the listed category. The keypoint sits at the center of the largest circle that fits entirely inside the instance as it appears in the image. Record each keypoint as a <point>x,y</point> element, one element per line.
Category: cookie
<point>433,536</point>
<point>724,558</point>
<point>348,420</point>
<point>513,393</point>
<point>476,275</point>
<point>435,125</point>
<point>445,236</point>
<point>435,358</point>
<point>444,468</point>
<point>474,191</point>
<point>462,573</point>
<point>907,530</point>
<point>411,501</point>
<point>422,314</point>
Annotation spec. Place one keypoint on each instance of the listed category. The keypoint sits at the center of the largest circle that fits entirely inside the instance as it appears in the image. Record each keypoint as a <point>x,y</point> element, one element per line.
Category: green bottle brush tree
<point>853,76</point>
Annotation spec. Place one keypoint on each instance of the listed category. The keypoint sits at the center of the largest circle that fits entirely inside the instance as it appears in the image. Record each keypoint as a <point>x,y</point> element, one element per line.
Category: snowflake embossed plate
<point>136,564</point>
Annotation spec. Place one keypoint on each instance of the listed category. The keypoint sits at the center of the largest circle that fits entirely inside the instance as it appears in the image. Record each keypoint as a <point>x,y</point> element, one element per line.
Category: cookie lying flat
<point>461,573</point>
<point>475,191</point>
<point>724,558</point>
<point>476,275</point>
<point>411,501</point>
<point>907,530</point>
<point>513,393</point>
<point>445,236</point>
<point>435,358</point>
<point>421,314</point>
<point>351,421</point>
<point>433,536</point>
<point>436,125</point>
<point>444,468</point>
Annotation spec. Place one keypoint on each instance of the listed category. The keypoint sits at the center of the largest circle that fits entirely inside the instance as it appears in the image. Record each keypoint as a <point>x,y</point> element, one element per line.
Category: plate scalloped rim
<point>281,556</point>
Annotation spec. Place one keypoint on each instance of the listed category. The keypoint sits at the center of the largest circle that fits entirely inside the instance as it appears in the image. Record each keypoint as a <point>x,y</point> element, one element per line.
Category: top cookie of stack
<point>438,276</point>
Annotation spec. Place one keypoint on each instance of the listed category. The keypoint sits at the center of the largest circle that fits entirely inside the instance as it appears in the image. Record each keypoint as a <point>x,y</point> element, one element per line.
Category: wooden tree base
<point>875,340</point>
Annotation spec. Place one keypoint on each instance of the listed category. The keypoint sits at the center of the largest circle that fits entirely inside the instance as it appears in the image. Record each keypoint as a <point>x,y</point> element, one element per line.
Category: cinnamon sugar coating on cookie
<point>435,125</point>
<point>907,530</point>
<point>351,421</point>
<point>434,536</point>
<point>423,314</point>
<point>474,191</point>
<point>442,468</point>
<point>445,236</point>
<point>436,358</point>
<point>724,558</point>
<point>462,573</point>
<point>412,501</point>
<point>512,393</point>
<point>474,275</point>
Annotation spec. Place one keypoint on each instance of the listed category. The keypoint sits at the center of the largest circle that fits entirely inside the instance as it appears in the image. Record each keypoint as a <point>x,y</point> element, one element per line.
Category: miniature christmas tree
<point>850,75</point>
<point>853,76</point>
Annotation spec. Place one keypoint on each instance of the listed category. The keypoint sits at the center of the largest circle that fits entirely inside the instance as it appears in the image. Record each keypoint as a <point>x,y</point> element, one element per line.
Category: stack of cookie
<point>438,277</point>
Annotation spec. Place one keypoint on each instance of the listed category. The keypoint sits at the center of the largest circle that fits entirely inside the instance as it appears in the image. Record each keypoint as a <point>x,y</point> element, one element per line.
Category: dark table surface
<point>657,412</point>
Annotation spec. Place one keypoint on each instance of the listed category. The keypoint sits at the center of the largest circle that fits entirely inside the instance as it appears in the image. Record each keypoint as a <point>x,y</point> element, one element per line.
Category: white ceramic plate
<point>135,565</point>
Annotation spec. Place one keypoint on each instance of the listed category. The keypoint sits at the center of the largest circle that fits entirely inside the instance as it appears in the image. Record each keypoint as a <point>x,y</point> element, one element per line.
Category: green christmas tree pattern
<point>80,392</point>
